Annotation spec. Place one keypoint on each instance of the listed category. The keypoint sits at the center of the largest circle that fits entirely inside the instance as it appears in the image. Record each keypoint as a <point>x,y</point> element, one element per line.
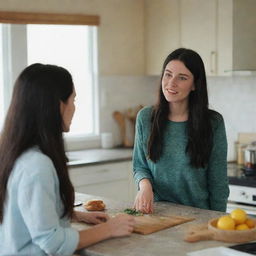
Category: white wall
<point>121,29</point>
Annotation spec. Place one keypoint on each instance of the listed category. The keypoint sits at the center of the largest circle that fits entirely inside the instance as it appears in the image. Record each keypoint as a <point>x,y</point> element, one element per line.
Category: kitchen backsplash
<point>118,93</point>
<point>234,97</point>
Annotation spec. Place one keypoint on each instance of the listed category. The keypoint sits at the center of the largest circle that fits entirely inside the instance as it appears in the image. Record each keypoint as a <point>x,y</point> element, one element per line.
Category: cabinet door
<point>108,180</point>
<point>198,30</point>
<point>225,37</point>
<point>162,34</point>
<point>118,190</point>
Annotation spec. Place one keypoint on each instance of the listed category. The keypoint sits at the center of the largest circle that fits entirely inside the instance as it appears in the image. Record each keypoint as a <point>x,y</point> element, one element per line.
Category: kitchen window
<point>70,46</point>
<point>1,81</point>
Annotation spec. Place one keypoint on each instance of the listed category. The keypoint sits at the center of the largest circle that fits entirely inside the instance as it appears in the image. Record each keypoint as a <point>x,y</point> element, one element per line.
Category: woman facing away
<point>180,151</point>
<point>36,194</point>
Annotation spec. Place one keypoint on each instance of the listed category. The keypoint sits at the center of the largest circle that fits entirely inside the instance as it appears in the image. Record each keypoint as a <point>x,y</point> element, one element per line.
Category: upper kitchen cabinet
<point>244,35</point>
<point>180,23</point>
<point>162,33</point>
<point>198,26</point>
<point>236,36</point>
<point>221,31</point>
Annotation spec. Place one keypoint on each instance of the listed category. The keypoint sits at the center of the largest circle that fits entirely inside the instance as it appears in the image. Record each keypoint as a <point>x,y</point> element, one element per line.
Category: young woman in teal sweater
<point>180,151</point>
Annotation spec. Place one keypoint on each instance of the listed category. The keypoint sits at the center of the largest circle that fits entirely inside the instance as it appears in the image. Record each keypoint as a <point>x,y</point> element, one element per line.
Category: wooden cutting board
<point>148,224</point>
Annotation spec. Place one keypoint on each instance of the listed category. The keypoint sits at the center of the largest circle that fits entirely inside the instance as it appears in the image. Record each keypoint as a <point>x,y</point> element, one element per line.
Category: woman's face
<point>177,82</point>
<point>67,110</point>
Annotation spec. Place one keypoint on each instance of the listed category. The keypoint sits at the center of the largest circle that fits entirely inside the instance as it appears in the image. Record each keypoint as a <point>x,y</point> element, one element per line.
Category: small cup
<point>107,140</point>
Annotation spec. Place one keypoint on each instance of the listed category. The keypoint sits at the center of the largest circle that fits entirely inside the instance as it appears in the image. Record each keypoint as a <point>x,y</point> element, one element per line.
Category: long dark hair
<point>34,119</point>
<point>199,129</point>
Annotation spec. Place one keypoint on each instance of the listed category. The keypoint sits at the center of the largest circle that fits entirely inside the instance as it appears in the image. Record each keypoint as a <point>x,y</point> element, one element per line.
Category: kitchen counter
<point>98,156</point>
<point>165,242</point>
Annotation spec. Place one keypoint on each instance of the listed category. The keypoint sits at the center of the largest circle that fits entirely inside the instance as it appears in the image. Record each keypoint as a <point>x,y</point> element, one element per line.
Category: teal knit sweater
<point>172,177</point>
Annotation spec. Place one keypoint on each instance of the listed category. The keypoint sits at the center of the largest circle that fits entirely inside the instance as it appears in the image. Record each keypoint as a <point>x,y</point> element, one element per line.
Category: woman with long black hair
<point>36,194</point>
<point>180,151</point>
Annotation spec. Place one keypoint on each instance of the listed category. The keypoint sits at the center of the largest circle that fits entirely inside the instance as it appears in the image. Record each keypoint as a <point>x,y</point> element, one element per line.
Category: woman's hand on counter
<point>91,217</point>
<point>121,225</point>
<point>145,197</point>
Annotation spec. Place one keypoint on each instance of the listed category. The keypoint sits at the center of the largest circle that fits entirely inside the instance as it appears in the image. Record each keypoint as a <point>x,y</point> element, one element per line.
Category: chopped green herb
<point>133,212</point>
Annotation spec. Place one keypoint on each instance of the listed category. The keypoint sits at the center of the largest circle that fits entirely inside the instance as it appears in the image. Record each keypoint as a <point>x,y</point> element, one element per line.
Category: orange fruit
<point>226,223</point>
<point>239,216</point>
<point>242,227</point>
<point>250,223</point>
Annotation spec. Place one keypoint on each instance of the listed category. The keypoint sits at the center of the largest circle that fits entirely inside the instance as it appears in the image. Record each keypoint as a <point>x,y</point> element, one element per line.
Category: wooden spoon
<point>119,117</point>
<point>131,115</point>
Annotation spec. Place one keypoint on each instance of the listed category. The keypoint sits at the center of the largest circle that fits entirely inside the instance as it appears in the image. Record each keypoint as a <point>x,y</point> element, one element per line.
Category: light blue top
<point>32,223</point>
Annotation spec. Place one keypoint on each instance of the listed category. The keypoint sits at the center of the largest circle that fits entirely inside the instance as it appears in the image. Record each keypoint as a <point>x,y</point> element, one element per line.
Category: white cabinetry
<point>244,35</point>
<point>198,30</point>
<point>221,31</point>
<point>161,32</point>
<point>113,180</point>
<point>171,24</point>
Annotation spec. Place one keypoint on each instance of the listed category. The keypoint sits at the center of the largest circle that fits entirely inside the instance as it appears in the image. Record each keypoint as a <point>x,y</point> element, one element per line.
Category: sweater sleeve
<point>217,169</point>
<point>38,205</point>
<point>141,169</point>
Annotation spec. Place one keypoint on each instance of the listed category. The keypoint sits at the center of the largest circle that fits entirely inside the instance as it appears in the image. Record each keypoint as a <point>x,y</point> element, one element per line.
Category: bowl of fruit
<point>235,227</point>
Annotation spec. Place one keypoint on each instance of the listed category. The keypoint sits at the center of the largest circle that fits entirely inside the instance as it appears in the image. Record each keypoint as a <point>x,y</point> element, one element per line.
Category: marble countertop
<point>165,242</point>
<point>98,156</point>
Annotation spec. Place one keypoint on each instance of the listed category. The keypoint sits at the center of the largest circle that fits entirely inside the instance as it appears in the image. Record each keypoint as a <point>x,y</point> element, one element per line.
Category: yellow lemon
<point>226,223</point>
<point>250,223</point>
<point>239,216</point>
<point>242,227</point>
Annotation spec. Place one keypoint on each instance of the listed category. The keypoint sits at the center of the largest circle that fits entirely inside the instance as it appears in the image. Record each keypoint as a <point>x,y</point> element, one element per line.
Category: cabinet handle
<point>213,62</point>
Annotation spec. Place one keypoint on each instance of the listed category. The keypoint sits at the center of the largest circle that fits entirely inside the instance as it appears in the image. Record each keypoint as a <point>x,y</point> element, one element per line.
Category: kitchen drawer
<point>87,175</point>
<point>118,190</point>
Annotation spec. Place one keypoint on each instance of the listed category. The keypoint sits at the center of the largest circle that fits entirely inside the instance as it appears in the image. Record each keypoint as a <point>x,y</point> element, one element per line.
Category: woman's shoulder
<point>34,163</point>
<point>145,113</point>
<point>216,118</point>
<point>34,154</point>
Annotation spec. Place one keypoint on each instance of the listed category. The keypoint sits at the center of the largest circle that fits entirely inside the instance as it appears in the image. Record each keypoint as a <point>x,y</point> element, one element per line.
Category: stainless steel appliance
<point>250,160</point>
<point>242,190</point>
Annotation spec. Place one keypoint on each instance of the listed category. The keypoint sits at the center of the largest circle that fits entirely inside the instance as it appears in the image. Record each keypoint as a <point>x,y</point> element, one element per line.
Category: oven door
<point>242,197</point>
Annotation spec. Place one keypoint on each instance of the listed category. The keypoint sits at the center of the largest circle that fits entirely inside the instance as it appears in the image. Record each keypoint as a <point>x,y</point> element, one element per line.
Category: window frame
<point>48,18</point>
<point>72,142</point>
